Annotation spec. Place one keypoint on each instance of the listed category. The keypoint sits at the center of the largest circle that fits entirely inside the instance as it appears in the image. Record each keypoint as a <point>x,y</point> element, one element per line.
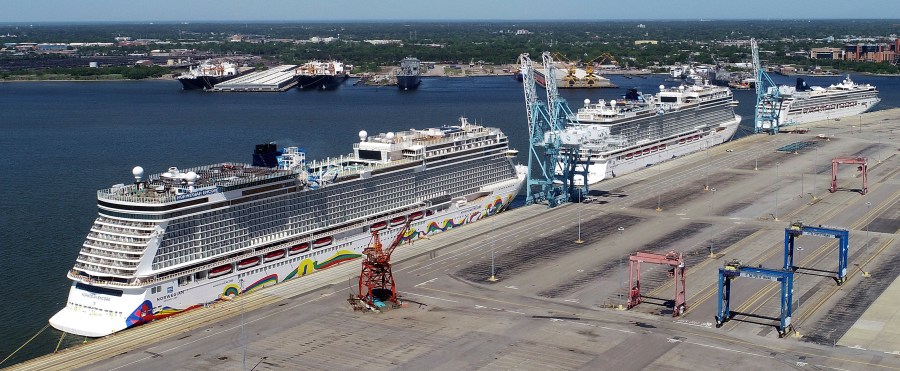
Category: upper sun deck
<point>425,137</point>
<point>177,185</point>
<point>373,154</point>
<point>668,99</point>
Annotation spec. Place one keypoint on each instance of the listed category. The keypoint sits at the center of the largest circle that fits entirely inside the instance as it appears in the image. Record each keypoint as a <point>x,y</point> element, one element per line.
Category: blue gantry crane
<point>551,163</point>
<point>734,269</point>
<point>798,229</point>
<point>768,99</point>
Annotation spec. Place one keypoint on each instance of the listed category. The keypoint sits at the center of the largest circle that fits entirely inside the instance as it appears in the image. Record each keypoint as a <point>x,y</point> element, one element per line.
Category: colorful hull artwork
<point>489,209</point>
<point>308,266</point>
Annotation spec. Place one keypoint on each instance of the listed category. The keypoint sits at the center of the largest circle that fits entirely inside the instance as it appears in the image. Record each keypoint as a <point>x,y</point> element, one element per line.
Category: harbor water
<point>62,141</point>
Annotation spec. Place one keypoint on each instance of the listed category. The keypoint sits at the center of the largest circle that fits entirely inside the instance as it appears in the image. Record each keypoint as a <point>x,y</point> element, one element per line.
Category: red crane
<point>863,168</point>
<point>376,282</point>
<point>676,263</point>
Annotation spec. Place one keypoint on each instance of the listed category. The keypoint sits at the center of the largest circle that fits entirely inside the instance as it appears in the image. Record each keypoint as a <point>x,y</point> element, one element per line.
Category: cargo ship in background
<point>177,240</point>
<point>409,76</point>
<point>802,103</point>
<point>208,74</point>
<point>322,75</point>
<point>620,136</point>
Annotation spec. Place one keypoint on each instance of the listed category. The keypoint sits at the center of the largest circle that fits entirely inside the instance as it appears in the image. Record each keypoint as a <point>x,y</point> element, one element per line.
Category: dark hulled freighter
<point>409,76</point>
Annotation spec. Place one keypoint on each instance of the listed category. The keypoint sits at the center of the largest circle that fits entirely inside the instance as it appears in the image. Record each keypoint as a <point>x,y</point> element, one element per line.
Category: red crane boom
<point>376,282</point>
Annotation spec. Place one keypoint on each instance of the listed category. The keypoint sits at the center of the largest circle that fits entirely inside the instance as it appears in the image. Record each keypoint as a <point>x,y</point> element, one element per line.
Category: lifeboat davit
<point>322,242</point>
<point>296,249</point>
<point>249,262</point>
<point>416,215</point>
<point>274,255</point>
<point>378,226</point>
<point>218,271</point>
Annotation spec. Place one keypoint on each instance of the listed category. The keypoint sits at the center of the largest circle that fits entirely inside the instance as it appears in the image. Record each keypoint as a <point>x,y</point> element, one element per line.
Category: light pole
<point>621,262</point>
<point>865,272</point>
<point>243,339</point>
<point>659,174</point>
<point>799,296</point>
<point>711,233</point>
<point>579,219</point>
<point>493,278</point>
<point>815,172</point>
<point>777,164</point>
<point>756,162</point>
<point>706,187</point>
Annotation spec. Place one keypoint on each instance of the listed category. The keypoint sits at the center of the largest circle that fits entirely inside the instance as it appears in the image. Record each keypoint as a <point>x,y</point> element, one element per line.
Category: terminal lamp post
<point>777,164</point>
<point>712,254</point>
<point>866,272</point>
<point>579,240</point>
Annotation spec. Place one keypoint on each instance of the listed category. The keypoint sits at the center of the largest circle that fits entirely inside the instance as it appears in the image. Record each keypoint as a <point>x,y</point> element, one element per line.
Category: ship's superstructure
<point>176,240</point>
<point>620,136</point>
<point>322,75</point>
<point>802,103</point>
<point>208,74</point>
<point>409,76</point>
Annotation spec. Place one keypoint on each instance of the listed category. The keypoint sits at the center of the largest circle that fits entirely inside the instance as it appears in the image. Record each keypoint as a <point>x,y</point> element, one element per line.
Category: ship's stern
<point>97,311</point>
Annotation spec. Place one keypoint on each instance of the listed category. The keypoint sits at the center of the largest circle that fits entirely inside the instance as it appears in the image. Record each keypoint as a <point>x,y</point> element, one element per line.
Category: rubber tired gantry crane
<point>674,260</point>
<point>376,282</point>
<point>552,164</point>
<point>863,169</point>
<point>734,269</point>
<point>798,229</point>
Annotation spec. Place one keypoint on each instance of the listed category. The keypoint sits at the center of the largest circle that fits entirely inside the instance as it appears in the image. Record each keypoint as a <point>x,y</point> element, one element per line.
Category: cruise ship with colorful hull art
<point>624,135</point>
<point>177,240</point>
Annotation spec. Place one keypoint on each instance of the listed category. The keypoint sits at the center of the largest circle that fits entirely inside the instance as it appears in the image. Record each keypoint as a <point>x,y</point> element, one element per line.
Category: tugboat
<point>208,74</point>
<point>409,76</point>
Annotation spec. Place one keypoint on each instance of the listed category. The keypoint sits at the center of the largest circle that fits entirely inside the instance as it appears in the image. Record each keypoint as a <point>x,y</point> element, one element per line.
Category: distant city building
<point>641,42</point>
<point>236,38</point>
<point>882,52</point>
<point>523,32</point>
<point>642,25</point>
<point>826,53</point>
<point>745,43</point>
<point>382,42</point>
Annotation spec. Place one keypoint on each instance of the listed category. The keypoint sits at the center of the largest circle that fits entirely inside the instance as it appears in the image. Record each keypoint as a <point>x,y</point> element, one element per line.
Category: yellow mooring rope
<point>23,345</point>
<point>60,341</point>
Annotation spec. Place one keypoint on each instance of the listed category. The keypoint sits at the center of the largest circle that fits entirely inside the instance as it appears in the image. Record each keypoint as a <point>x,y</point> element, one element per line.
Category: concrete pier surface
<point>556,303</point>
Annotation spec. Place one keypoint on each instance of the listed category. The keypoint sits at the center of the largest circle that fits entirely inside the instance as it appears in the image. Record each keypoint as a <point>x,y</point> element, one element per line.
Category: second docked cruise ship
<point>177,240</point>
<point>802,103</point>
<point>621,136</point>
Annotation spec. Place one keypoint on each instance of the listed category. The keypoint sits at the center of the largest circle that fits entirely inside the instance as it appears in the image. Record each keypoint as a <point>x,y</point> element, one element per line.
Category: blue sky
<point>331,10</point>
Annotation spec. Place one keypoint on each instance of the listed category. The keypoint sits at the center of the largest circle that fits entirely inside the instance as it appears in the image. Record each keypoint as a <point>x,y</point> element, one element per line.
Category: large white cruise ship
<point>801,103</point>
<point>621,136</point>
<point>183,238</point>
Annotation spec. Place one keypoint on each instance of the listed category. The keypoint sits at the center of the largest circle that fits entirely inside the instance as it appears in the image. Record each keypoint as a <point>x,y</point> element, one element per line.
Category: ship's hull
<point>795,115</point>
<point>202,82</point>
<point>624,161</point>
<point>321,82</point>
<point>131,306</point>
<point>408,82</point>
